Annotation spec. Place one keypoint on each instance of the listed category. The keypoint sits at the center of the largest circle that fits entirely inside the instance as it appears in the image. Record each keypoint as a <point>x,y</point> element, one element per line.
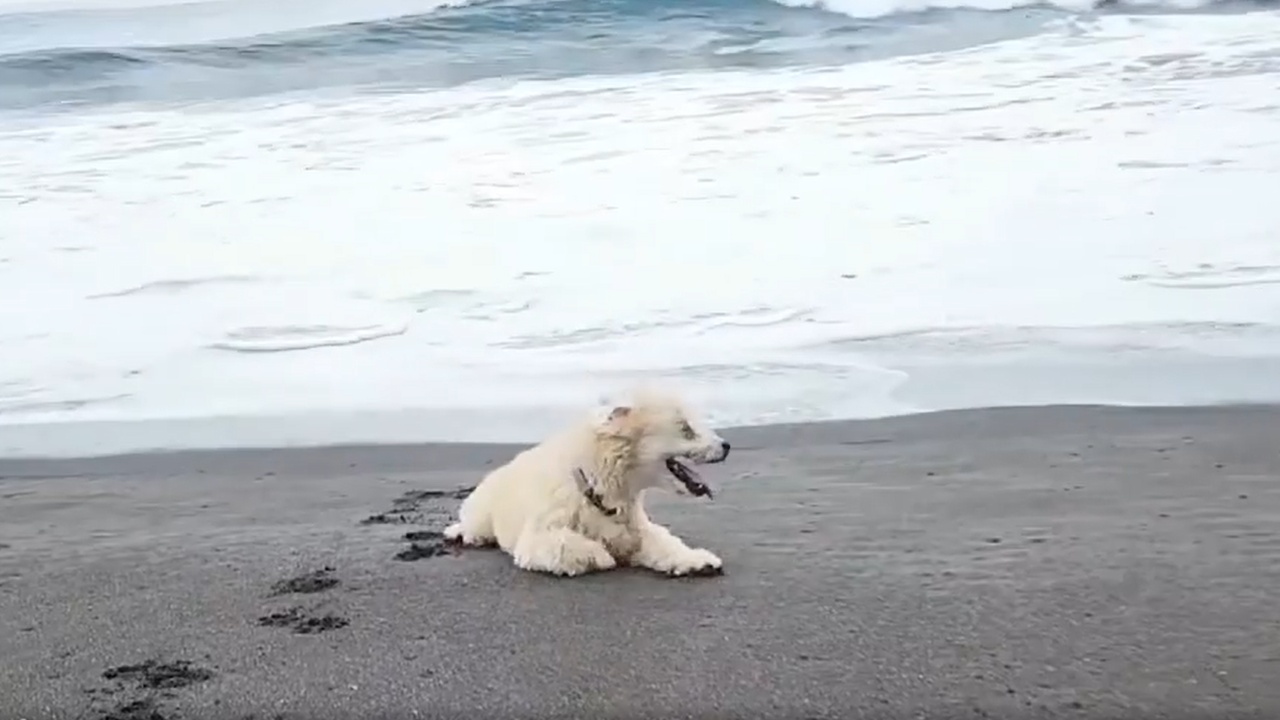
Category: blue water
<point>65,59</point>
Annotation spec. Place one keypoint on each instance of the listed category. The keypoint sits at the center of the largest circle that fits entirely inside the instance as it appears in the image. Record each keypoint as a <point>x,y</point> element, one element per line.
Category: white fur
<point>533,508</point>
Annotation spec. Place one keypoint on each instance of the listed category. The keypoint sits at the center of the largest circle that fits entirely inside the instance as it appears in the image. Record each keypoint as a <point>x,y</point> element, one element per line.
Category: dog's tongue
<point>693,474</point>
<point>692,480</point>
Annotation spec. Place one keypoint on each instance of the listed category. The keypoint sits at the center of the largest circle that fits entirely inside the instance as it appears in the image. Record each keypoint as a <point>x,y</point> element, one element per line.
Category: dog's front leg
<point>560,551</point>
<point>662,551</point>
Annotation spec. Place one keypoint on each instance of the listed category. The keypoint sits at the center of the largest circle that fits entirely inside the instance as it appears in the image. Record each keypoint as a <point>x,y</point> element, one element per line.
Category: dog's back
<point>530,487</point>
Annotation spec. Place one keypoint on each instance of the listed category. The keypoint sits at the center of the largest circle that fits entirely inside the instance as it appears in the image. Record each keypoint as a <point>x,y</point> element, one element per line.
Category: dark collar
<point>592,496</point>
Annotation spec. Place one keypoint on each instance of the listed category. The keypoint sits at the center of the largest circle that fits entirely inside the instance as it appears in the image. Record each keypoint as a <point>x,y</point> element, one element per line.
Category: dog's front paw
<point>600,562</point>
<point>696,563</point>
<point>568,564</point>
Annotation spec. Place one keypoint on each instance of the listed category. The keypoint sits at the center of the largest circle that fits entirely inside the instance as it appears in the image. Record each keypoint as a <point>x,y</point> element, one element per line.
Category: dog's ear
<point>614,419</point>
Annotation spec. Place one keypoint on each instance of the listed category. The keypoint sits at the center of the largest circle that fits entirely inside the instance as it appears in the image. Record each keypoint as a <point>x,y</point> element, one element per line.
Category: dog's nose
<point>724,445</point>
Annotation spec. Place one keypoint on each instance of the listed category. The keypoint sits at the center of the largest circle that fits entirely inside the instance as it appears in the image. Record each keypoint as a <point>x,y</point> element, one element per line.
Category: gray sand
<point>1071,562</point>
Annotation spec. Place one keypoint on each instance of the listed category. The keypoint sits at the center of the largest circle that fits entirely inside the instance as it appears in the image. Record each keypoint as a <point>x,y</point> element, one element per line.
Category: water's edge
<point>1200,382</point>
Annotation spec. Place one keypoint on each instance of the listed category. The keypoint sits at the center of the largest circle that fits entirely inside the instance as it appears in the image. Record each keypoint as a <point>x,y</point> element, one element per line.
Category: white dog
<point>574,503</point>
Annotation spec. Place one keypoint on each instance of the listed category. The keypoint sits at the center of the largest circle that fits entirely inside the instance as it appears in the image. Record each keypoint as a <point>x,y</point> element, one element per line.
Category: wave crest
<point>866,9</point>
<point>459,41</point>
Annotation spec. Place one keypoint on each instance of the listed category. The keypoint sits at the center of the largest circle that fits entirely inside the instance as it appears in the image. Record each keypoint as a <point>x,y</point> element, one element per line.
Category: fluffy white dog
<point>574,503</point>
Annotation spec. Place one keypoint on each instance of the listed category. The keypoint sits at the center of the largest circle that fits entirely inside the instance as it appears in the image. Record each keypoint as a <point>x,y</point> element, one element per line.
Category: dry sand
<point>1073,562</point>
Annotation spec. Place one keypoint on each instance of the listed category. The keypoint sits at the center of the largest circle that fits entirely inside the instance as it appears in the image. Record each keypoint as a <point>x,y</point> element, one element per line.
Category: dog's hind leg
<point>560,551</point>
<point>474,526</point>
<point>662,551</point>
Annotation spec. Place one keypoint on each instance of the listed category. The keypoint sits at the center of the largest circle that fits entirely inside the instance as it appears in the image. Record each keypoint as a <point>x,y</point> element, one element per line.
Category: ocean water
<point>303,221</point>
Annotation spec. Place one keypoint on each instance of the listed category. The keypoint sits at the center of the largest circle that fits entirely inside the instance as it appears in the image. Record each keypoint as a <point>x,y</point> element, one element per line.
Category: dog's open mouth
<point>688,477</point>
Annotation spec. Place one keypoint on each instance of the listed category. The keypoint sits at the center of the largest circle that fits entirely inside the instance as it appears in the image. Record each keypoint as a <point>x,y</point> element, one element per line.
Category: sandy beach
<point>1060,562</point>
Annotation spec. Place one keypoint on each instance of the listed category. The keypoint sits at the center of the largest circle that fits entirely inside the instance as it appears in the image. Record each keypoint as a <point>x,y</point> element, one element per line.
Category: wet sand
<point>1067,562</point>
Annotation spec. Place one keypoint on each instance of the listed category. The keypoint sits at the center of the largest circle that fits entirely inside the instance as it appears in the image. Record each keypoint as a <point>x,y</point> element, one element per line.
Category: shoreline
<point>927,385</point>
<point>394,430</point>
<point>1054,562</point>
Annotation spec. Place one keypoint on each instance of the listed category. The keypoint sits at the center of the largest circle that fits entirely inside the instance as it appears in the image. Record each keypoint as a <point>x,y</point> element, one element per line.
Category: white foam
<point>1055,201</point>
<point>866,9</point>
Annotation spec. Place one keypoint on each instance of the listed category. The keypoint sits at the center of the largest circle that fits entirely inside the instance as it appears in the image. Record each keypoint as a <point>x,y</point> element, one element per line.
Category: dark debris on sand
<point>137,687</point>
<point>415,507</point>
<point>312,582</point>
<point>388,518</point>
<point>414,497</point>
<point>144,709</point>
<point>424,544</point>
<point>155,675</point>
<point>424,536</point>
<point>408,508</point>
<point>301,623</point>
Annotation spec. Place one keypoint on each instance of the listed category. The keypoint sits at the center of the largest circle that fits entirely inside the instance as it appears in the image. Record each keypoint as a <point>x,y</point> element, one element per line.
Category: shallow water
<point>402,220</point>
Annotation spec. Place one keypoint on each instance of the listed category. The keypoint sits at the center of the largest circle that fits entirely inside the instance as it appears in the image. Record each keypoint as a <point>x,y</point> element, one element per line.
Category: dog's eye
<point>687,430</point>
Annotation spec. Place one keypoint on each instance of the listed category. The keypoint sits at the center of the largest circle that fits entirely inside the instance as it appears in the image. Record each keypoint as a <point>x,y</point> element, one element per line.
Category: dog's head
<point>665,438</point>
